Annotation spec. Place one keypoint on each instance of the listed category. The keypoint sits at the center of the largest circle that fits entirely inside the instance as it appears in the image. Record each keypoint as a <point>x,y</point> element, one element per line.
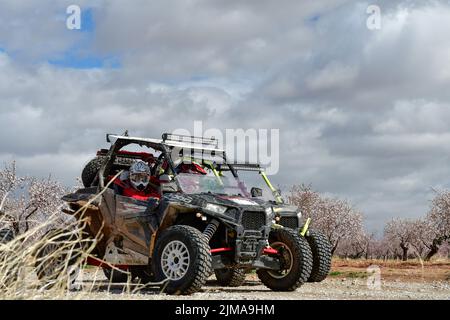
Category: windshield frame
<point>256,167</point>
<point>168,151</point>
<point>212,184</point>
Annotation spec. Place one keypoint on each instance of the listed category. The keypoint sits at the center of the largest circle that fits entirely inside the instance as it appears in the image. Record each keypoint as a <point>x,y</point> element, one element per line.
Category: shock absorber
<point>210,229</point>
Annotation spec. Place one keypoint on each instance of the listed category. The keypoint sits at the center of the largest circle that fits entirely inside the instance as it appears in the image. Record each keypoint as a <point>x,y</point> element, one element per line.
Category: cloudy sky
<point>363,114</point>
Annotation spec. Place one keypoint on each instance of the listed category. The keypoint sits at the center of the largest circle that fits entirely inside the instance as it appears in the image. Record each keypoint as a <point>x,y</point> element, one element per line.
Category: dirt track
<point>331,288</point>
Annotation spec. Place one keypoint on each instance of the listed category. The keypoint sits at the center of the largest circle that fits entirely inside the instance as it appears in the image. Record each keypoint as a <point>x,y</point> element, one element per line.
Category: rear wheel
<point>295,258</point>
<point>115,276</point>
<point>56,261</point>
<point>230,277</point>
<point>321,251</point>
<point>6,235</point>
<point>182,255</point>
<point>11,273</point>
<point>143,274</point>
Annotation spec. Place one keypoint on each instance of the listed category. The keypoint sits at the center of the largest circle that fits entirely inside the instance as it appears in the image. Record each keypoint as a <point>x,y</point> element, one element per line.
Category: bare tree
<point>26,201</point>
<point>304,198</point>
<point>402,233</point>
<point>9,181</point>
<point>336,218</point>
<point>438,223</point>
<point>422,236</point>
<point>44,199</point>
<point>352,247</point>
<point>382,249</point>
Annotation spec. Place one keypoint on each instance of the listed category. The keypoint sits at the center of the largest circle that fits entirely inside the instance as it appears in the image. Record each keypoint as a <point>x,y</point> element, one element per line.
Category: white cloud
<point>334,75</point>
<point>362,114</point>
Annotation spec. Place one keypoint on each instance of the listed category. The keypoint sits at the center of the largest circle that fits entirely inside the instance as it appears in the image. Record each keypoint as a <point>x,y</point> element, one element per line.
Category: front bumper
<point>262,262</point>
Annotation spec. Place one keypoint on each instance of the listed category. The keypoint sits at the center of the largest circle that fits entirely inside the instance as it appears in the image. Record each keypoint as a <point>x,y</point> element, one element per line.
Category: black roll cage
<point>163,146</point>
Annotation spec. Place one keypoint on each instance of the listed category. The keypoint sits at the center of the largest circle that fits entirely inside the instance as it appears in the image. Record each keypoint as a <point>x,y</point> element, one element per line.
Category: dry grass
<point>42,264</point>
<point>55,256</point>
<point>49,268</point>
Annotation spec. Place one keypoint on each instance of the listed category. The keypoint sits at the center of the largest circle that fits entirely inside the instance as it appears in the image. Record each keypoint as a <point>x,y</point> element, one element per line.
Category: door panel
<point>131,221</point>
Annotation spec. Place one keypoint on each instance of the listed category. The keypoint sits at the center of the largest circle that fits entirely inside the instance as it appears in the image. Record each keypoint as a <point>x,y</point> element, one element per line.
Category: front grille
<point>289,222</point>
<point>253,220</point>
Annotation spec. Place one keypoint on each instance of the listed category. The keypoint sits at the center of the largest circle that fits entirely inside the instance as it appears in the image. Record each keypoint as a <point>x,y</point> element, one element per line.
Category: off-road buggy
<point>201,223</point>
<point>289,216</point>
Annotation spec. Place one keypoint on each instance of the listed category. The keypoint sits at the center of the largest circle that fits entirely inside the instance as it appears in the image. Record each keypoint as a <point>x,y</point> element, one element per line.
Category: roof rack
<point>209,142</point>
<point>244,167</point>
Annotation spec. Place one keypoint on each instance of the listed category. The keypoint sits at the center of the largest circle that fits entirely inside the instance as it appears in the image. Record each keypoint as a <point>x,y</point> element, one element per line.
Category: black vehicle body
<point>129,228</point>
<point>285,214</point>
<point>289,216</point>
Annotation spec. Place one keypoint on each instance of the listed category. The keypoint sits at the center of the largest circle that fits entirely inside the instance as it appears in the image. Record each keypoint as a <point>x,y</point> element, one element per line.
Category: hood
<point>237,201</point>
<point>285,208</point>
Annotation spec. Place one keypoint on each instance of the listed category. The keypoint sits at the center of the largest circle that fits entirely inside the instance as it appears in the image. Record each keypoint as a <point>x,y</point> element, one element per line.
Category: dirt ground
<point>408,271</point>
<point>374,280</point>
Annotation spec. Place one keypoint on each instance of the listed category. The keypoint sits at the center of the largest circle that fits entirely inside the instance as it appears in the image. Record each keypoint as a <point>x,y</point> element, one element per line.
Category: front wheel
<point>295,259</point>
<point>182,256</point>
<point>321,250</point>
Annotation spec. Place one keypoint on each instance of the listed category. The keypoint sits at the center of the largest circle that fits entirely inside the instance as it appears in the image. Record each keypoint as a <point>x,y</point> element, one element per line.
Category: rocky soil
<point>95,286</point>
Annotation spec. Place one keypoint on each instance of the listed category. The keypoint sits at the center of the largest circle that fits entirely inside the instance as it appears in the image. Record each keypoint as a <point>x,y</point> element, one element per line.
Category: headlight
<point>299,214</point>
<point>215,208</point>
<point>232,213</point>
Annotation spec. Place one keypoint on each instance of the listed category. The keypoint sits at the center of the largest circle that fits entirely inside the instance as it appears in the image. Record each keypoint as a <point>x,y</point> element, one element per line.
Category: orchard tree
<point>304,198</point>
<point>336,218</point>
<point>25,201</point>
<point>423,235</point>
<point>9,181</point>
<point>438,223</point>
<point>383,249</point>
<point>44,199</point>
<point>360,245</point>
<point>401,233</point>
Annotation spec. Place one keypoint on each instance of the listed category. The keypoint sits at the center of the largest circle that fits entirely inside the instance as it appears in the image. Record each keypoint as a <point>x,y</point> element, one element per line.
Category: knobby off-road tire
<point>56,260</point>
<point>90,171</point>
<point>6,236</point>
<point>296,261</point>
<point>182,255</point>
<point>230,277</point>
<point>115,276</point>
<point>321,251</point>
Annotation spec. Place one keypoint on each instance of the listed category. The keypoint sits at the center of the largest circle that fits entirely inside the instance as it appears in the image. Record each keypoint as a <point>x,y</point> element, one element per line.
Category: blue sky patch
<point>77,60</point>
<point>87,20</point>
<point>80,55</point>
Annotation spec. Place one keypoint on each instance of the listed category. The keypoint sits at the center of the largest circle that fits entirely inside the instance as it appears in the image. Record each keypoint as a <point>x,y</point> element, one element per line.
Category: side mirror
<point>256,192</point>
